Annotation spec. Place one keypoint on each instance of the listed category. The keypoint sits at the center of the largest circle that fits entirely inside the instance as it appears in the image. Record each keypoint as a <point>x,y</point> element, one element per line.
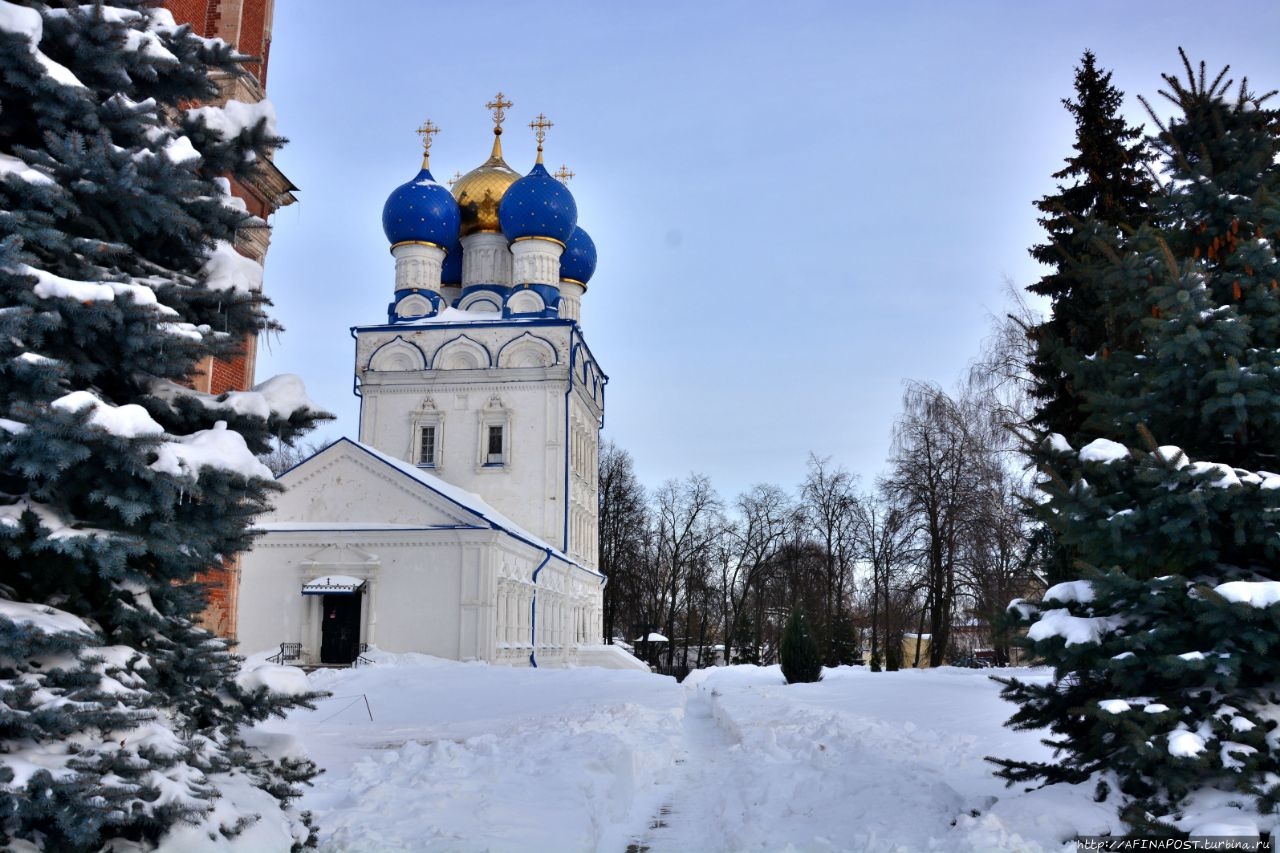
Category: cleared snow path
<point>699,795</point>
<point>761,771</point>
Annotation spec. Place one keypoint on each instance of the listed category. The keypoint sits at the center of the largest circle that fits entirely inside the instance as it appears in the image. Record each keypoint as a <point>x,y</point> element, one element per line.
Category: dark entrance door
<point>340,629</point>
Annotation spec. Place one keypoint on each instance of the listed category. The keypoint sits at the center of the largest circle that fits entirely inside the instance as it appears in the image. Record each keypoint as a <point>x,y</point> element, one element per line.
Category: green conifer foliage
<point>120,717</point>
<point>799,655</point>
<point>1166,649</point>
<point>1109,188</point>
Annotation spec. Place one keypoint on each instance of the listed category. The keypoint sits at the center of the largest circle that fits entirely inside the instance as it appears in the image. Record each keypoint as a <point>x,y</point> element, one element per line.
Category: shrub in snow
<point>1167,651</point>
<point>801,661</point>
<point>120,717</point>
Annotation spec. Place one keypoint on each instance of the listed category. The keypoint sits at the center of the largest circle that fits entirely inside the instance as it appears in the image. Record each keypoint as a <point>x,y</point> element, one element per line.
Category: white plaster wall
<point>529,488</point>
<point>349,489</point>
<point>412,596</point>
<point>464,596</point>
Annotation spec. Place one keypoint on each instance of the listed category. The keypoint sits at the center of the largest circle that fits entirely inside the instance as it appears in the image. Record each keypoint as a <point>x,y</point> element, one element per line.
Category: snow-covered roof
<point>459,316</point>
<point>468,501</point>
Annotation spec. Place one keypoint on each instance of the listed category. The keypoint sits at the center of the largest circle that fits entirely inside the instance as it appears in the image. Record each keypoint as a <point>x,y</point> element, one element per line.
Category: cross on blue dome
<point>422,211</point>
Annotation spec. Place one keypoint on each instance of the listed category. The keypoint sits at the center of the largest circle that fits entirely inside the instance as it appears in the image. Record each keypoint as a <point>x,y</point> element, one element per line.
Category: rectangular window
<point>427,446</point>
<point>495,445</point>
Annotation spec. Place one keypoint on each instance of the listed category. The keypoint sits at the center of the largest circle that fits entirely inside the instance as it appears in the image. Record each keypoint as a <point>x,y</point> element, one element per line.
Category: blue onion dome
<point>578,263</point>
<point>421,211</point>
<point>451,269</point>
<point>538,205</point>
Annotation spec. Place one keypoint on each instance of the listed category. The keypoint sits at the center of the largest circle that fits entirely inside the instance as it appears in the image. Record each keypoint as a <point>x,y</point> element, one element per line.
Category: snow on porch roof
<point>467,500</point>
<point>333,585</point>
<point>654,637</point>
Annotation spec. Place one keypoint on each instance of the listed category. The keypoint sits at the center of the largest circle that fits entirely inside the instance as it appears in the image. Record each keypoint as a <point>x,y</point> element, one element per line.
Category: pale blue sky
<point>796,207</point>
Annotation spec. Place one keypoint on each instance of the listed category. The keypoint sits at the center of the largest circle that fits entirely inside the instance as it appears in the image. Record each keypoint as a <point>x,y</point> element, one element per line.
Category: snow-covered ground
<point>468,757</point>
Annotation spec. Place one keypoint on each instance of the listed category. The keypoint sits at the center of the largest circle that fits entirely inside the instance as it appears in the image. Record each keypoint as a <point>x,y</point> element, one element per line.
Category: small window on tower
<point>427,446</point>
<point>494,456</point>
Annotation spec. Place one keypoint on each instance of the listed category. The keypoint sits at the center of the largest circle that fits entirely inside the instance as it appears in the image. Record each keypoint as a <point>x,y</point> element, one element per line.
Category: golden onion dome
<point>479,191</point>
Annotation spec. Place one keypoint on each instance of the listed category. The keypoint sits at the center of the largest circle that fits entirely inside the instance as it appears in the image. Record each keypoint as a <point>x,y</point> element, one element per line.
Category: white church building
<point>463,523</point>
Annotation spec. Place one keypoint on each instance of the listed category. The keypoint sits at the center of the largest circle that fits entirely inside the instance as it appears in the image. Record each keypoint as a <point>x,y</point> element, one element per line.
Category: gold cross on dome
<point>456,177</point>
<point>427,131</point>
<point>539,126</point>
<point>563,174</point>
<point>499,106</point>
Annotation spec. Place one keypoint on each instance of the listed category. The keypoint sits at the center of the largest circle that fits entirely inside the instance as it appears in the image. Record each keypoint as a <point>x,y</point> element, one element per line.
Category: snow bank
<point>274,678</point>
<point>471,757</point>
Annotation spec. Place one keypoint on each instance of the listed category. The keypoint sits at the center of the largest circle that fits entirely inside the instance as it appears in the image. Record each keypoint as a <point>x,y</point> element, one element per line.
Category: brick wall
<point>193,12</point>
<point>245,24</point>
<point>255,38</point>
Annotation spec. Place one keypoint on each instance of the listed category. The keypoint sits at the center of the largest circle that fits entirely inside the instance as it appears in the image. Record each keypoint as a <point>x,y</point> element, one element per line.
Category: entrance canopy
<point>333,585</point>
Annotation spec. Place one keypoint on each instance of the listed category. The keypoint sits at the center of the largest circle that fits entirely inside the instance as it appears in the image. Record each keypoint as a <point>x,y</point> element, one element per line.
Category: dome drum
<point>571,300</point>
<point>486,260</point>
<point>418,265</point>
<point>536,261</point>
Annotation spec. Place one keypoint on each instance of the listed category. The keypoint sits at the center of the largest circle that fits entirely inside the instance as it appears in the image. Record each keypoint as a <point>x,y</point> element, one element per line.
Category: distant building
<point>246,26</point>
<point>463,523</point>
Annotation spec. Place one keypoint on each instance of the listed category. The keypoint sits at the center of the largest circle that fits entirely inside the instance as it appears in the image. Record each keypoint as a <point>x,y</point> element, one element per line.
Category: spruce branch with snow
<point>118,484</point>
<point>1166,648</point>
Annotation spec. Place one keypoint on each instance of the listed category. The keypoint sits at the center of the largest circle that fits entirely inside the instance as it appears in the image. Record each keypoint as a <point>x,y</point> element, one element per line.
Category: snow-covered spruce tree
<point>798,652</point>
<point>1166,650</point>
<point>119,715</point>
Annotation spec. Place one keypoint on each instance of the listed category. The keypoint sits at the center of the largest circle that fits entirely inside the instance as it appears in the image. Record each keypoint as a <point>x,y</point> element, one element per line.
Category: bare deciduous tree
<point>747,551</point>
